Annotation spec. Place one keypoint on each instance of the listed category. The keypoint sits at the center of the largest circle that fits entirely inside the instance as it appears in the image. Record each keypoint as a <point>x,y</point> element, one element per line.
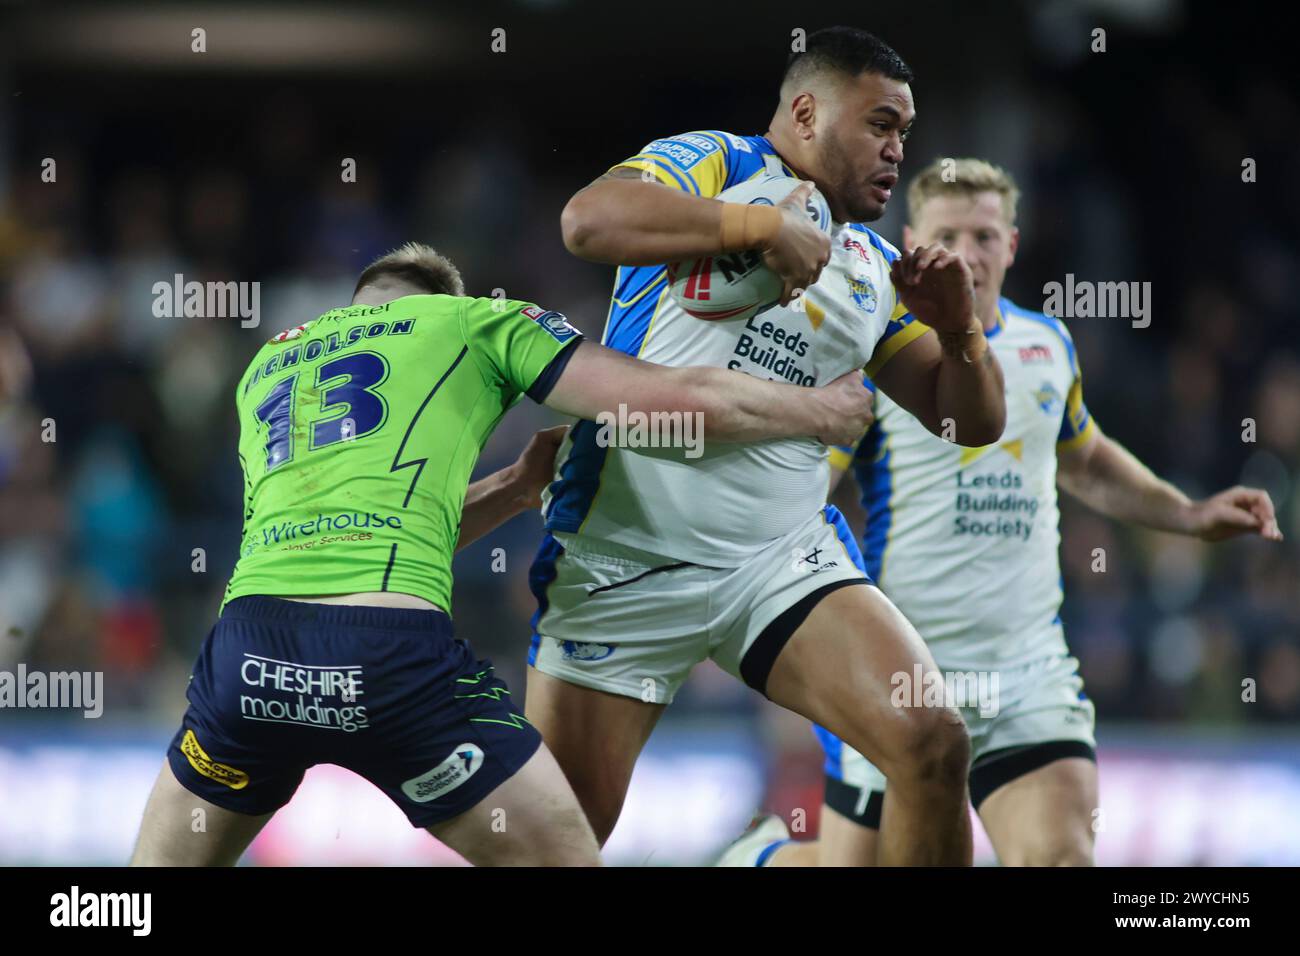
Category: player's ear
<point>1012,246</point>
<point>803,114</point>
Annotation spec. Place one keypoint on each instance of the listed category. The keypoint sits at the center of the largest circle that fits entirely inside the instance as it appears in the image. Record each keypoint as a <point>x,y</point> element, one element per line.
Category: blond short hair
<point>418,265</point>
<point>962,177</point>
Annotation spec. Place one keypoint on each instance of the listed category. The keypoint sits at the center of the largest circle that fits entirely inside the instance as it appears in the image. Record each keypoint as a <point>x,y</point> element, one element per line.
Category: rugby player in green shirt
<point>358,434</point>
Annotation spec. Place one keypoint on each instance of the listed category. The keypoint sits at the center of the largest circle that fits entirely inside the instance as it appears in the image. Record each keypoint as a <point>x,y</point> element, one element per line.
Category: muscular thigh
<point>180,828</point>
<point>595,737</point>
<point>532,819</point>
<point>1044,817</point>
<point>1034,776</point>
<point>838,669</point>
<point>616,634</point>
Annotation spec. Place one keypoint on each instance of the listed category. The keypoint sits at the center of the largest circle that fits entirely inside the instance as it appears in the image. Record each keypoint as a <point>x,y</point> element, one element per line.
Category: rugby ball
<point>737,284</point>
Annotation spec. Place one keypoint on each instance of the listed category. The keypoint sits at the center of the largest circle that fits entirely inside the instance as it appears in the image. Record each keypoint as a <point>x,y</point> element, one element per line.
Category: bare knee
<point>929,746</point>
<point>1060,849</point>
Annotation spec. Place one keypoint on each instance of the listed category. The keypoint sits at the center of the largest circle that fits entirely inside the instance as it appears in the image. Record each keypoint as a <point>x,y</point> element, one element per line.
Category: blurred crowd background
<point>225,165</point>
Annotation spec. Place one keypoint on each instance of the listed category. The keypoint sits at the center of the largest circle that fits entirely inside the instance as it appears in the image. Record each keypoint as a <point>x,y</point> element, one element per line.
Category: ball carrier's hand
<point>951,383</point>
<point>786,234</point>
<point>622,220</point>
<point>938,290</point>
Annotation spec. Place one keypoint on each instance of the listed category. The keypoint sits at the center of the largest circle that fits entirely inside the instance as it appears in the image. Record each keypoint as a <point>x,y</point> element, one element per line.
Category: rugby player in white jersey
<point>652,563</point>
<point>964,541</point>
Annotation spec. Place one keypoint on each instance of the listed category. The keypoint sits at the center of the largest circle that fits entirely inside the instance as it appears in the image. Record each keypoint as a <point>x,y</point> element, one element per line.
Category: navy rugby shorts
<point>388,693</point>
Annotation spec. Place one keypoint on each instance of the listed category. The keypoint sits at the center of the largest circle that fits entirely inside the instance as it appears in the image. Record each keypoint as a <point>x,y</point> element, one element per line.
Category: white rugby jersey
<point>719,508</point>
<point>964,540</point>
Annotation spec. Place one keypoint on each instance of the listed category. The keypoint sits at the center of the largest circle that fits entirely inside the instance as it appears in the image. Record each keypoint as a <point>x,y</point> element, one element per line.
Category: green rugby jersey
<point>359,431</point>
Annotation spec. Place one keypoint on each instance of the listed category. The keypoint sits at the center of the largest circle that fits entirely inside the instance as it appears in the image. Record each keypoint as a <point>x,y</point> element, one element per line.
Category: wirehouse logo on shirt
<point>344,521</point>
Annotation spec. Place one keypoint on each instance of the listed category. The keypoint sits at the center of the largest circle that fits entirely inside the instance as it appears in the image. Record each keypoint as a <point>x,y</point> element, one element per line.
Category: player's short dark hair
<point>846,50</point>
<point>418,265</point>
